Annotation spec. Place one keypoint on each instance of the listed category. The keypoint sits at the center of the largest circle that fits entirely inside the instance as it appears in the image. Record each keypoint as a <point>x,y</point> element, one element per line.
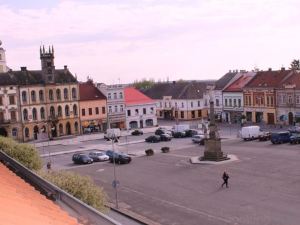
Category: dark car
<point>295,138</point>
<point>180,134</point>
<point>80,158</point>
<point>118,157</point>
<point>159,131</point>
<point>137,132</point>
<point>153,139</point>
<point>264,136</point>
<point>190,133</point>
<point>280,137</point>
<point>165,137</point>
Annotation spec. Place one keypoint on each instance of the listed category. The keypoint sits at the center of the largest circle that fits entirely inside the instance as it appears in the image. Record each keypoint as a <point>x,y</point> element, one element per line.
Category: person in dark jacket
<point>225,179</point>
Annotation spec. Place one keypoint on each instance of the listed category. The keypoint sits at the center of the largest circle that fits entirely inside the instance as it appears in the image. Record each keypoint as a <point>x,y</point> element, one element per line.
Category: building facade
<point>3,66</point>
<point>116,117</point>
<point>93,112</point>
<point>140,109</point>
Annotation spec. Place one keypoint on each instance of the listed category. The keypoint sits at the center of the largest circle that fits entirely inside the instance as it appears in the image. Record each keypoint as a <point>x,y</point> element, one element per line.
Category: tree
<point>143,84</point>
<point>295,65</point>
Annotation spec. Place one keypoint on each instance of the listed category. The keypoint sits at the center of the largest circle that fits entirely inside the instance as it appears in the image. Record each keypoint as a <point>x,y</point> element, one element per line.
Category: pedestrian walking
<point>225,179</point>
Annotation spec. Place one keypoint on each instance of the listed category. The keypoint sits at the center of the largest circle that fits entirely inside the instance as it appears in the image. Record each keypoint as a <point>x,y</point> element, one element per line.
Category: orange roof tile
<point>134,97</point>
<point>21,204</point>
<point>238,85</point>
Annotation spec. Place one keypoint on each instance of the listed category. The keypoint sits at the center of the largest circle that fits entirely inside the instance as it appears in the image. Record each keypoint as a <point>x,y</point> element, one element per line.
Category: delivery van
<point>250,132</point>
<point>111,133</point>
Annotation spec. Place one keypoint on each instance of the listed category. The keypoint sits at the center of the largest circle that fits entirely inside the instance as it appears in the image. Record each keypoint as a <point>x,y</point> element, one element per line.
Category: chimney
<point>65,69</point>
<point>270,69</point>
<point>282,69</point>
<point>23,68</point>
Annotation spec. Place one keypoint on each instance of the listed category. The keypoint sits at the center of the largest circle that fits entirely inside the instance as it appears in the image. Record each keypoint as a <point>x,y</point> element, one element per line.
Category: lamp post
<point>115,182</point>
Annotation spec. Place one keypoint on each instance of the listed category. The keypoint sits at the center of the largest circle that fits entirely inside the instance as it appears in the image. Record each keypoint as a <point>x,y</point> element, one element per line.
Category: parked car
<point>81,158</point>
<point>280,137</point>
<point>294,129</point>
<point>180,134</point>
<point>191,133</point>
<point>118,157</point>
<point>165,137</point>
<point>98,156</point>
<point>153,139</point>
<point>137,132</point>
<point>159,131</point>
<point>250,132</point>
<point>198,138</point>
<point>264,136</point>
<point>295,138</point>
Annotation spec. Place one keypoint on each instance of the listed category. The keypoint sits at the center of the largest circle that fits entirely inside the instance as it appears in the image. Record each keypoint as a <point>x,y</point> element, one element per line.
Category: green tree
<point>143,84</point>
<point>81,187</point>
<point>295,65</point>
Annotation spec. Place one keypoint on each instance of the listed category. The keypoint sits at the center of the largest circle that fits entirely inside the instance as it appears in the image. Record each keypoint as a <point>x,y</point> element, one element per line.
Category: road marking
<point>100,170</point>
<point>181,206</point>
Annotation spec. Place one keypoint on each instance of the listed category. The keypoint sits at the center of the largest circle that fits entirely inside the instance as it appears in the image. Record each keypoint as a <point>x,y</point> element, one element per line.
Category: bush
<point>81,187</point>
<point>149,152</point>
<point>25,154</point>
<point>165,149</point>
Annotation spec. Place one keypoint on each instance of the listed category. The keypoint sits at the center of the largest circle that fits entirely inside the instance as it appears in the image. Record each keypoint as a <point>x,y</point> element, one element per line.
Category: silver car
<point>98,156</point>
<point>198,138</point>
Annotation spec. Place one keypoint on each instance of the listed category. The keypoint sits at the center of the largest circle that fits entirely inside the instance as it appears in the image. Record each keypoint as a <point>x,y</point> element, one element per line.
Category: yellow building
<point>93,113</point>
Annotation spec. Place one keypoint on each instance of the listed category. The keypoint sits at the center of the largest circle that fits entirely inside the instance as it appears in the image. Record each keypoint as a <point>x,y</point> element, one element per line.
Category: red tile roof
<point>88,91</point>
<point>21,204</point>
<point>268,79</point>
<point>238,85</point>
<point>135,97</point>
<point>293,79</point>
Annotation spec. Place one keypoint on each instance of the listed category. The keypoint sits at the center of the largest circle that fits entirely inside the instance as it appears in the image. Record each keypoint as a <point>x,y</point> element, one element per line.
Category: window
<point>226,102</point>
<point>176,106</point>
<point>192,104</point>
<point>24,96</point>
<point>198,103</point>
<point>67,110</point>
<point>249,102</point>
<point>182,114</point>
<point>169,104</point>
<point>27,132</point>
<point>272,100</point>
<point>0,57</point>
<point>230,102</point>
<point>128,112</point>
<point>115,95</point>
<point>42,111</point>
<point>199,113</point>
<point>52,112</point>
<point>136,111</point>
<point>12,100</point>
<point>74,93</point>
<point>160,104</point>
<point>290,99</point>
<point>34,114</point>
<point>41,95</point>
<point>90,111</point>
<point>144,111</point>
<point>109,95</point>
<point>59,111</point>
<point>205,103</point>
<point>66,94</point>
<point>75,111</point>
<point>239,103</point>
<point>165,105</point>
<point>217,102</point>
<point>13,115</point>
<point>103,110</point>
<point>33,97</point>
<point>51,95</point>
<point>25,114</point>
<point>83,112</point>
<point>109,109</point>
<point>58,94</point>
<point>116,108</point>
<point>234,102</point>
<point>121,108</point>
<point>14,132</point>
<point>268,101</point>
<point>1,116</point>
<point>151,110</point>
<point>182,105</point>
<point>1,102</point>
<point>120,95</point>
<point>297,99</point>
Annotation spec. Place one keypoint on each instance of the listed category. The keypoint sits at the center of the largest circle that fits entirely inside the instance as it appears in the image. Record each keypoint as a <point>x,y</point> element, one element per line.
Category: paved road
<point>264,185</point>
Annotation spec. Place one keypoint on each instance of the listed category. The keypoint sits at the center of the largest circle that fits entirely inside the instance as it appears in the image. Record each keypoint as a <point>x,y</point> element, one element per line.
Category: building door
<point>141,124</point>
<point>35,132</point>
<point>3,132</point>
<point>271,119</point>
<point>291,118</point>
<point>68,128</point>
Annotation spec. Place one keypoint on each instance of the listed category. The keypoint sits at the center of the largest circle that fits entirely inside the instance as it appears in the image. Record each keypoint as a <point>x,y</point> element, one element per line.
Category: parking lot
<point>166,188</point>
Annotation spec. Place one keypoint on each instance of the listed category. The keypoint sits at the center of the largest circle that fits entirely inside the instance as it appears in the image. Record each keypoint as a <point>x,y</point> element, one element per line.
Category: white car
<point>198,138</point>
<point>98,156</point>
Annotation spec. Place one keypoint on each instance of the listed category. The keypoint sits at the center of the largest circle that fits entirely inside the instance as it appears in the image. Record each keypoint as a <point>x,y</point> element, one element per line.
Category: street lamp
<point>115,182</point>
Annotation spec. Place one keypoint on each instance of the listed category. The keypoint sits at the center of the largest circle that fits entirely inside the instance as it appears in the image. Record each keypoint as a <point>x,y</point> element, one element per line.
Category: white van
<point>111,133</point>
<point>250,132</point>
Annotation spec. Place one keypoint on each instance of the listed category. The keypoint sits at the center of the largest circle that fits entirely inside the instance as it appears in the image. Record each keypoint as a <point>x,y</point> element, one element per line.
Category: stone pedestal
<point>213,151</point>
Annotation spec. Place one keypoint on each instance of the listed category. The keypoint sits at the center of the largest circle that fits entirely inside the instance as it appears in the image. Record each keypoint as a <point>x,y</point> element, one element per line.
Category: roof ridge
<point>183,90</point>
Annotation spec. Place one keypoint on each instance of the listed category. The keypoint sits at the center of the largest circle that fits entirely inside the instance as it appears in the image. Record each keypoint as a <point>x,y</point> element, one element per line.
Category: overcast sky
<point>127,40</point>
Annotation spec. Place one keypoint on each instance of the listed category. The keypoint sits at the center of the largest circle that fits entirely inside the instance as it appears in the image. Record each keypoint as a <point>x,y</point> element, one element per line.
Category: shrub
<point>149,152</point>
<point>165,149</point>
<point>26,154</point>
<point>81,187</point>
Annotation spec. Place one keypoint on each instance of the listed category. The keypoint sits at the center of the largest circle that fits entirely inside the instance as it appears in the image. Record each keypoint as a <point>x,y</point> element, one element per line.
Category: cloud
<point>140,38</point>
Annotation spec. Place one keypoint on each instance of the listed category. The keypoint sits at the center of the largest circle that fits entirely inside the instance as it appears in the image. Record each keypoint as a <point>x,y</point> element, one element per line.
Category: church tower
<point>3,66</point>
<point>47,61</point>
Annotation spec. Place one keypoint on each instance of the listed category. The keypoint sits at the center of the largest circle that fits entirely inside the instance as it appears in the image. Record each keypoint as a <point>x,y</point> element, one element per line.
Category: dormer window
<point>49,71</point>
<point>49,64</point>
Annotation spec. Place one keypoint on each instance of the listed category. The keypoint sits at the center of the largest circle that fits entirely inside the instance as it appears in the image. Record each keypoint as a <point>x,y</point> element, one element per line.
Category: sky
<point>120,41</point>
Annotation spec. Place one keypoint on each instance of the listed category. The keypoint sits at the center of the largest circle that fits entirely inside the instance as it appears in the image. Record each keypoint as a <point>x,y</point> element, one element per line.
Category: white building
<point>140,109</point>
